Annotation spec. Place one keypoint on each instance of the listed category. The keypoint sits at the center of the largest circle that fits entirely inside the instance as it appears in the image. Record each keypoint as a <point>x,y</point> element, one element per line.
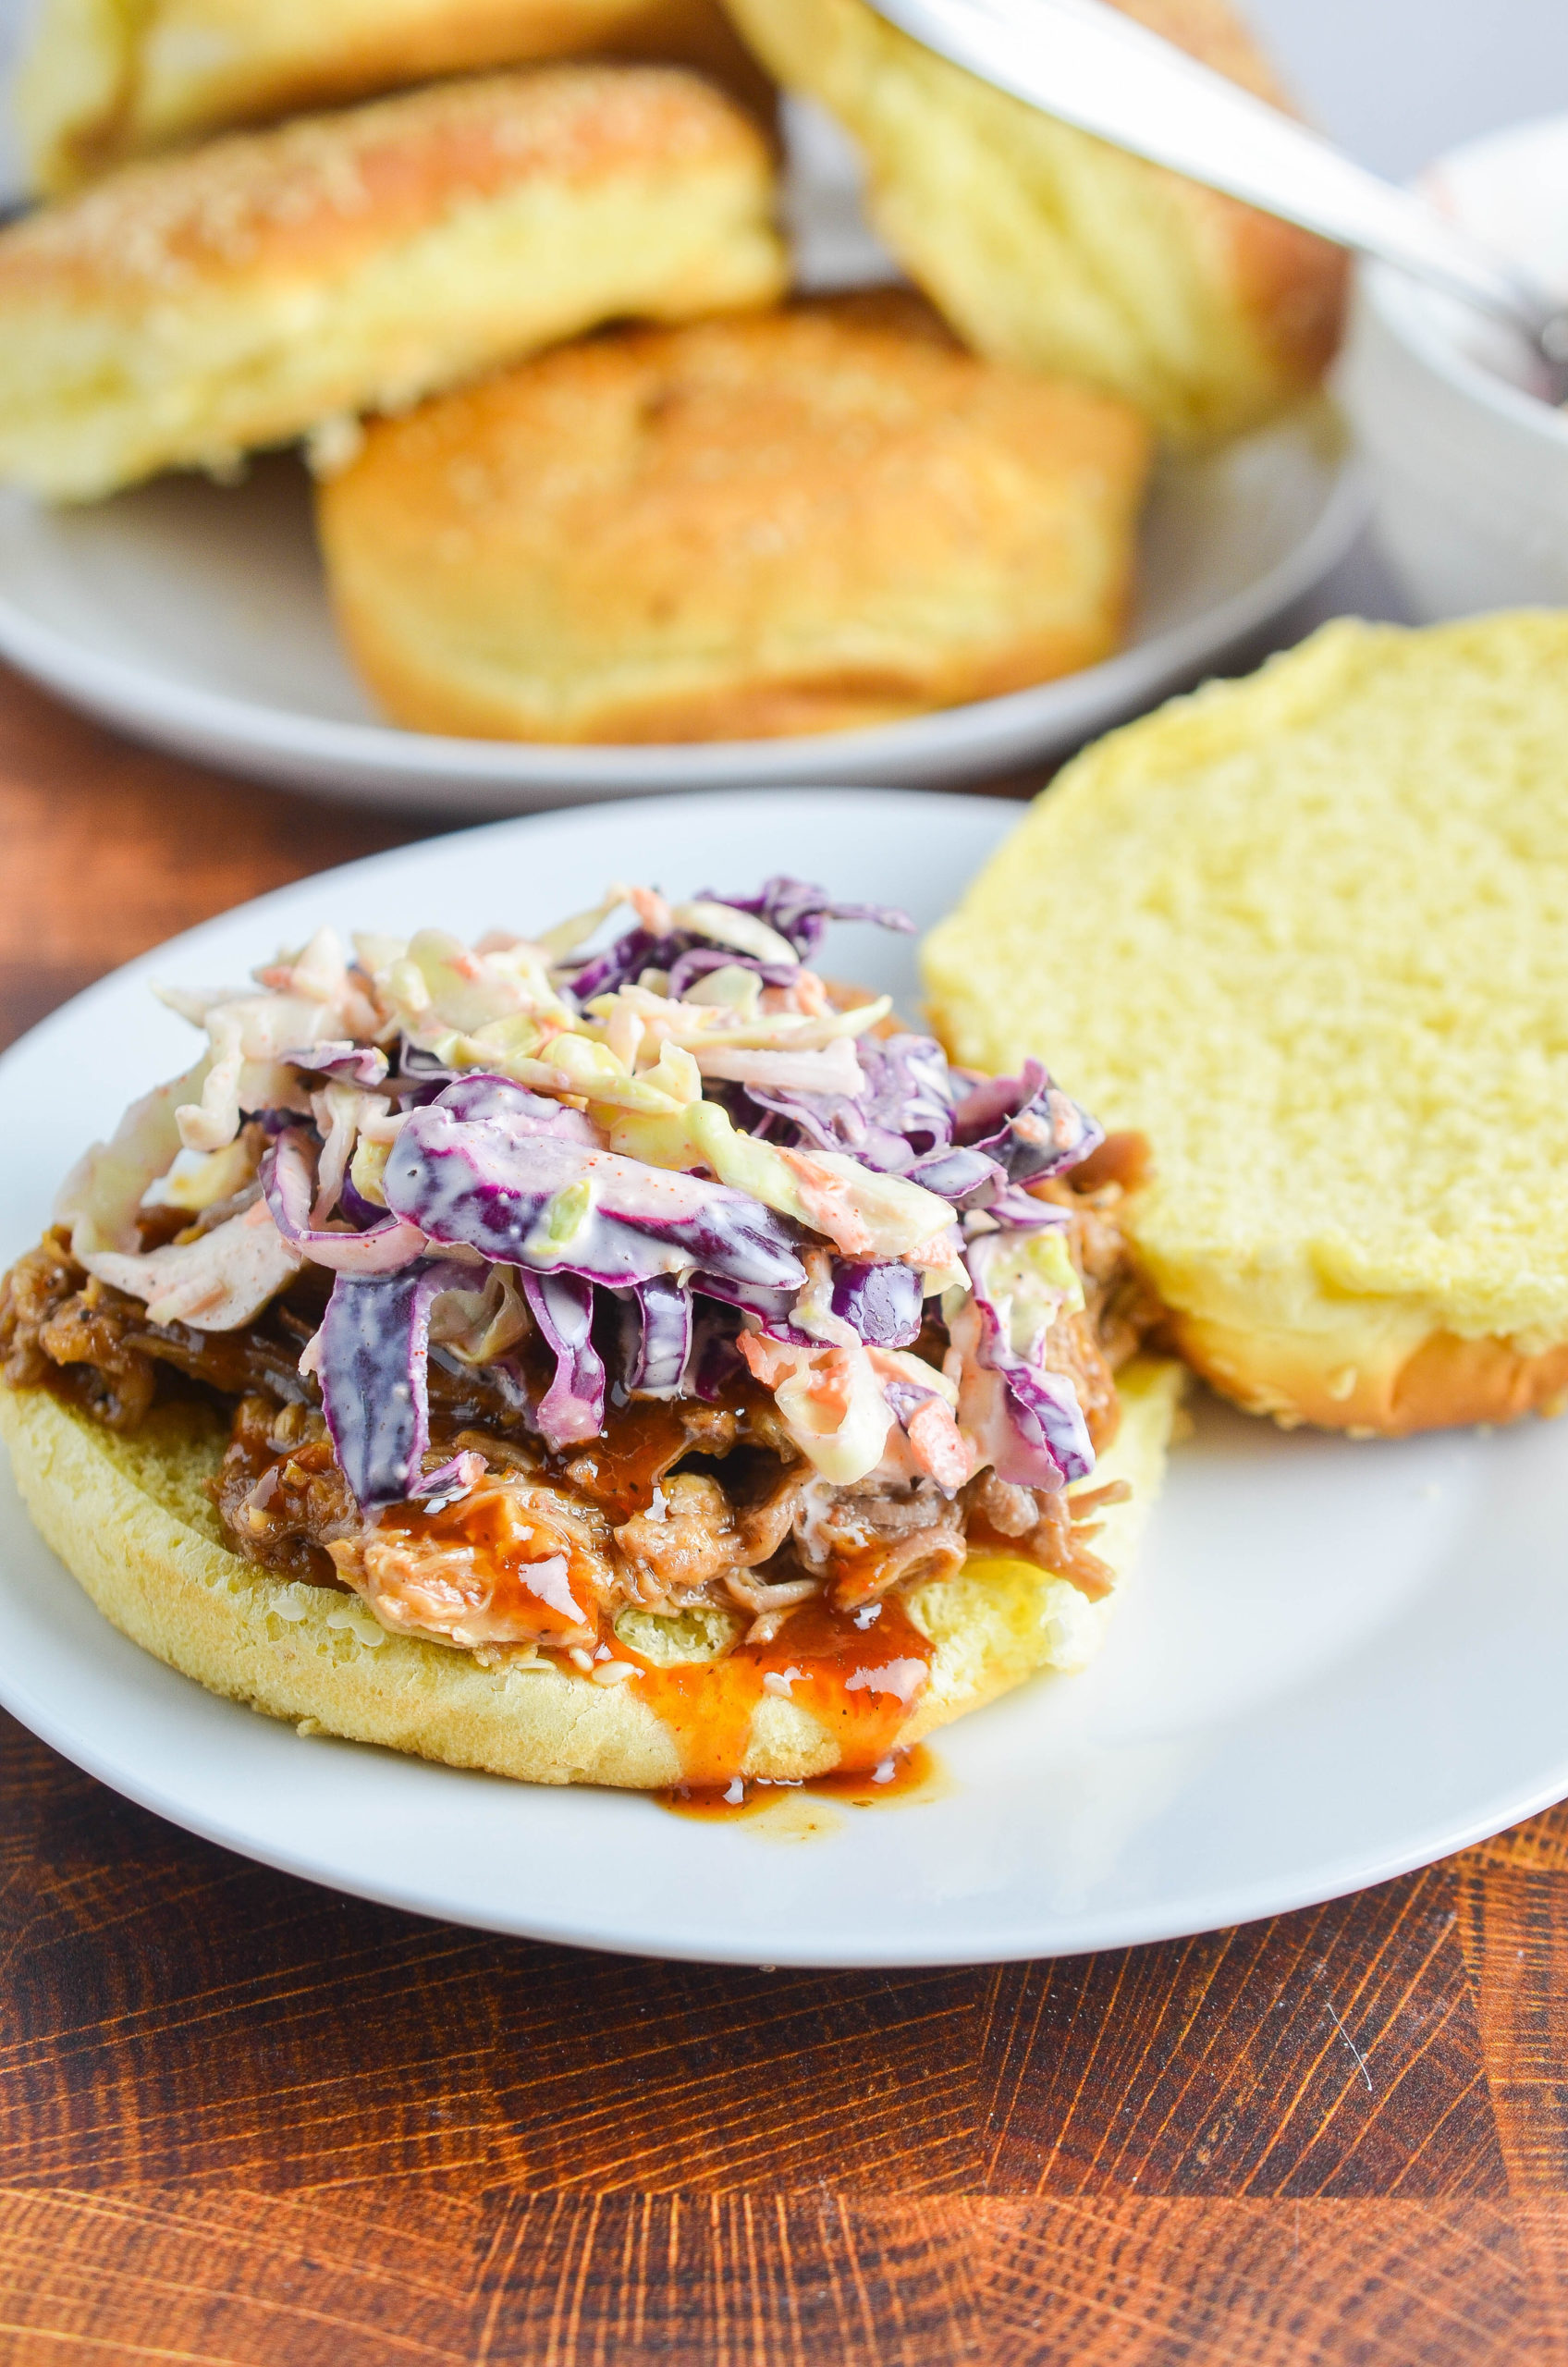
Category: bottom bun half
<point>131,1519</point>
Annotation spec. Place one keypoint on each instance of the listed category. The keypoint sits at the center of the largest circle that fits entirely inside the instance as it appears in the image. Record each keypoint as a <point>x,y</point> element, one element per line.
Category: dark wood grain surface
<point>242,2119</point>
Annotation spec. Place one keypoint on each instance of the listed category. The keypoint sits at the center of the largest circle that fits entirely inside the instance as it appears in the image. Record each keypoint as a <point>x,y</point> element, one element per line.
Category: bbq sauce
<point>621,1472</point>
<point>907,1776</point>
<point>642,1441</point>
<point>859,1673</point>
<point>537,1570</point>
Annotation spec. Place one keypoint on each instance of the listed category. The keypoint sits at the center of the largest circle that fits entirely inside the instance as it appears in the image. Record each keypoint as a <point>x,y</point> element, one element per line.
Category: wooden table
<point>244,2120</point>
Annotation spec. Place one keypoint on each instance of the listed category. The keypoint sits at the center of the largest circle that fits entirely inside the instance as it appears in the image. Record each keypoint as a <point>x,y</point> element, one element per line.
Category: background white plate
<point>195,616</point>
<point>1337,1662</point>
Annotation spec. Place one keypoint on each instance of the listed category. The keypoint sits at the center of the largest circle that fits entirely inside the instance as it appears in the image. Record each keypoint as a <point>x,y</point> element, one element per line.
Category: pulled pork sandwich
<point>641,1365</point>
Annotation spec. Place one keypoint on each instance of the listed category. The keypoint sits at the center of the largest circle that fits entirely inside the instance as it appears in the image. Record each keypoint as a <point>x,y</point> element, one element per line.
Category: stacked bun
<point>774,520</point>
<point>186,311</point>
<point>104,85</point>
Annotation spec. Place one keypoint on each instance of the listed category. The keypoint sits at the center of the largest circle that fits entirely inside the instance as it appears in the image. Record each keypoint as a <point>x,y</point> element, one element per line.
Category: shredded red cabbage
<point>792,907</point>
<point>687,968</point>
<point>773,1305</point>
<point>1042,1439</point>
<point>1050,1437</point>
<point>572,1409</point>
<point>289,1182</point>
<point>488,1166</point>
<point>450,1483</point>
<point>906,1397</point>
<point>373,1361</point>
<point>349,1062</point>
<point>802,911</point>
<point>901,1112</point>
<point>1027,1124</point>
<point>420,1076</point>
<point>477,1096</point>
<point>655,1360</point>
<point>884,1301</point>
<point>961,1177</point>
<point>361,1213</point>
<point>1013,1210</point>
<point>623,962</point>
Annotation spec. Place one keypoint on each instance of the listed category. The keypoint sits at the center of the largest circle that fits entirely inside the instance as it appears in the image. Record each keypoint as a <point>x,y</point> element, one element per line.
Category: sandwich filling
<point>630,1309</point>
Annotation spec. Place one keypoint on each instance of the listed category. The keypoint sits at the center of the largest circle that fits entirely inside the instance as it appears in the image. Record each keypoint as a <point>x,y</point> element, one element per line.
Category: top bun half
<point>1309,932</point>
<point>103,83</point>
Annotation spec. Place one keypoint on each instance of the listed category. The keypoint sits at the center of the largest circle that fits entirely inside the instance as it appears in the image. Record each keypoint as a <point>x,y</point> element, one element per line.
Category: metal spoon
<point>1092,66</point>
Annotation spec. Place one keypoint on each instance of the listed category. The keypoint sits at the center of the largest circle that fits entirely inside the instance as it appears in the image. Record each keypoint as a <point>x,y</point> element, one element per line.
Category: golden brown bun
<point>131,1519</point>
<point>185,310</point>
<point>1052,251</point>
<point>104,82</point>
<point>1372,1382</point>
<point>806,521</point>
<point>1308,933</point>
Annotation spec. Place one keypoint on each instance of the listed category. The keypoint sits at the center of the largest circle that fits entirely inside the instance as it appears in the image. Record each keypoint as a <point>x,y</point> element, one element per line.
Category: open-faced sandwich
<point>644,1365</point>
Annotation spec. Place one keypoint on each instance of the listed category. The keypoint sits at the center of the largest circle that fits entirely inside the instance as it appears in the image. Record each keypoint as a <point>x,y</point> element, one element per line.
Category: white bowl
<point>1469,469</point>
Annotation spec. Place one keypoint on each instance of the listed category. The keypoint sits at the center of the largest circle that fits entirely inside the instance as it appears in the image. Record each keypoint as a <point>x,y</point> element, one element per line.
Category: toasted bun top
<point>103,85</point>
<point>1054,251</point>
<point>792,521</point>
<point>1309,932</point>
<point>314,196</point>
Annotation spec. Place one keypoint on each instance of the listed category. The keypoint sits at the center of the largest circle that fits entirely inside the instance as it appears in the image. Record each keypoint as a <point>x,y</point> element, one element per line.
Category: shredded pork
<point>676,1506</point>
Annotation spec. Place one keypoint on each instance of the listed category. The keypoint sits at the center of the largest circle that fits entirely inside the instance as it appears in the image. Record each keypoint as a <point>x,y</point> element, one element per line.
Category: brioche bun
<point>1309,934</point>
<point>806,520</point>
<point>189,308</point>
<point>1050,250</point>
<point>102,83</point>
<point>131,1518</point>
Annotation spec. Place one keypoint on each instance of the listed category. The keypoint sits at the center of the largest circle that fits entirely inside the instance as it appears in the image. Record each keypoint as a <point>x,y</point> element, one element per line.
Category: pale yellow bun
<point>1309,932</point>
<point>102,81</point>
<point>800,521</point>
<point>131,1517</point>
<point>1051,251</point>
<point>188,309</point>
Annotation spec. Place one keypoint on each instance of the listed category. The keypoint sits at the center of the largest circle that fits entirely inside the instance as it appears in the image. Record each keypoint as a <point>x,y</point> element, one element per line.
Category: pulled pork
<point>676,1505</point>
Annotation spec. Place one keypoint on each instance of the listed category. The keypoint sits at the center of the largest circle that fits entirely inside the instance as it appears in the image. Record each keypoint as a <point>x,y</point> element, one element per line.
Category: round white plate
<point>1337,1661</point>
<point>195,616</point>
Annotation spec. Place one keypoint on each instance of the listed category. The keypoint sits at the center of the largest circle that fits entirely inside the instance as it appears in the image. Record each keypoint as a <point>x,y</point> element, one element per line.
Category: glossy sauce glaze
<point>620,1473</point>
<point>859,1673</point>
<point>522,1561</point>
<point>902,1778</point>
<point>524,1557</point>
<point>642,1441</point>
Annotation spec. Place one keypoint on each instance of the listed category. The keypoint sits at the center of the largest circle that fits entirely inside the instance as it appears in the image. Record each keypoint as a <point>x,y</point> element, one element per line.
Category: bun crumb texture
<point>1309,933</point>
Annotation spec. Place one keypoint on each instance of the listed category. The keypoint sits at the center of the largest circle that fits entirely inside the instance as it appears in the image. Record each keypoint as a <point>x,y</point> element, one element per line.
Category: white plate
<point>1337,1662</point>
<point>195,616</point>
